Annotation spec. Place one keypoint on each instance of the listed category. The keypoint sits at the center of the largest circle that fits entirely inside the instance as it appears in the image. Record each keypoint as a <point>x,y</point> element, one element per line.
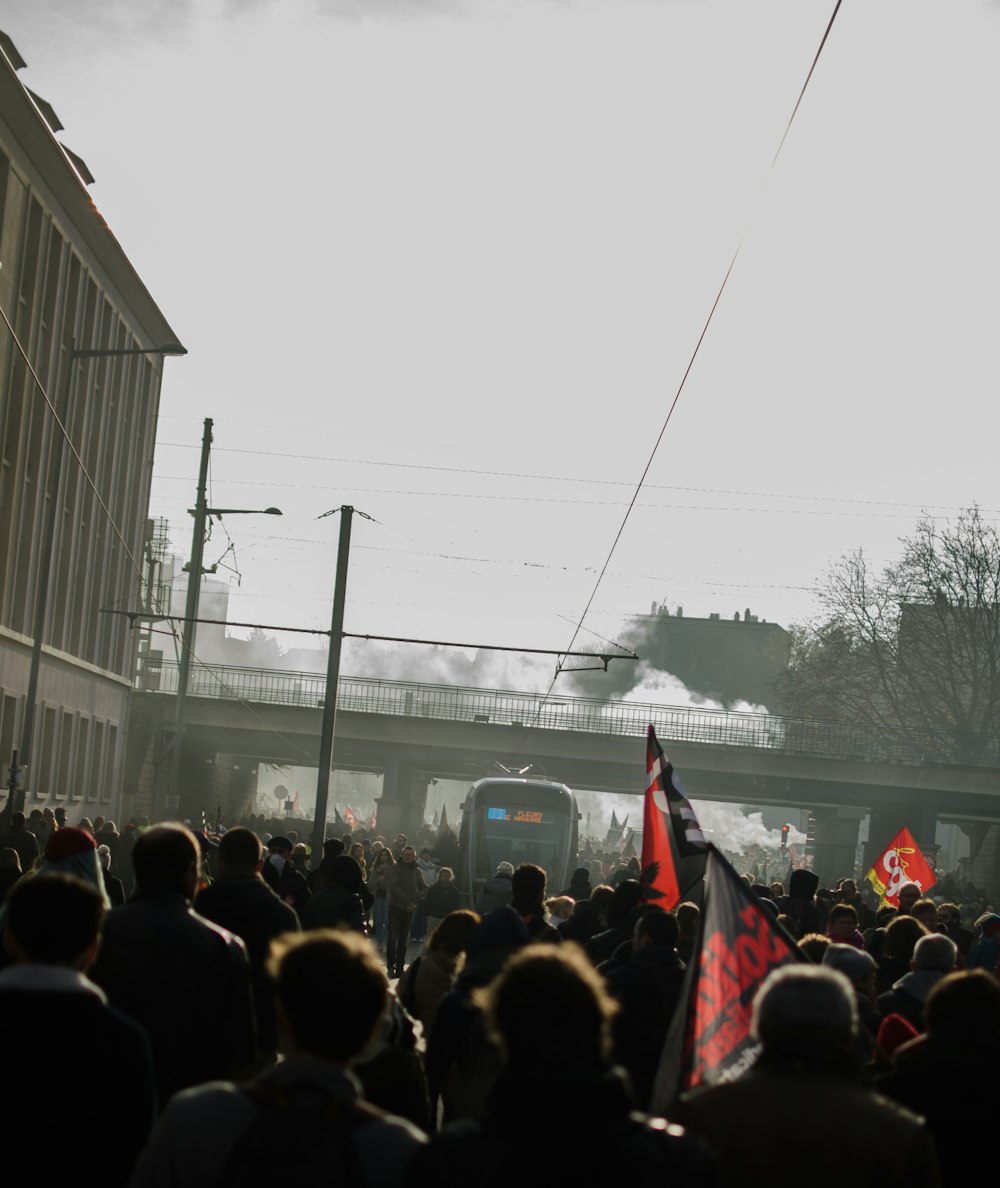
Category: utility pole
<point>189,627</point>
<point>332,679</point>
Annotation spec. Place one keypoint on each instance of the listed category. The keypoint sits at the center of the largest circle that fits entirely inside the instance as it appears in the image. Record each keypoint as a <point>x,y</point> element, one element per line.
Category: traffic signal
<point>784,835</point>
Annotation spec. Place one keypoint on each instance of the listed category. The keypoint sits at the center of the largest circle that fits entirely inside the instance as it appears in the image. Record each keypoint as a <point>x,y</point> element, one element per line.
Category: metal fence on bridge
<point>800,736</point>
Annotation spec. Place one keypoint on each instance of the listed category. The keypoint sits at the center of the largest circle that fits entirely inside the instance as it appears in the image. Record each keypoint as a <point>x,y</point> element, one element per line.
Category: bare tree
<point>913,650</point>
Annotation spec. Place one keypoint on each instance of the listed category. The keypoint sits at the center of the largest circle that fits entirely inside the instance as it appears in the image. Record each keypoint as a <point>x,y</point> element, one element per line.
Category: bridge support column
<point>835,843</point>
<point>920,819</point>
<point>403,801</point>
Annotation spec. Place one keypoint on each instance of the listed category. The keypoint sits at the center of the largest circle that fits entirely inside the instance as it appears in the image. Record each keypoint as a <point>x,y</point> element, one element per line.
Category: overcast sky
<point>447,262</point>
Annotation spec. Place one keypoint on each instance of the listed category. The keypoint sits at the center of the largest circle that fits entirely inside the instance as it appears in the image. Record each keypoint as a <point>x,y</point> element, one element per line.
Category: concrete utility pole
<point>332,679</point>
<point>189,627</point>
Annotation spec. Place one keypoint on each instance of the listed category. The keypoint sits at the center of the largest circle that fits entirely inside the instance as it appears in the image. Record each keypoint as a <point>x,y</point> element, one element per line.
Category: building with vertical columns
<point>66,286</point>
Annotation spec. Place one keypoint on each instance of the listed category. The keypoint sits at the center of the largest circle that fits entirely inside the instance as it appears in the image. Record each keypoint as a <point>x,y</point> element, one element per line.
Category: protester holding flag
<point>801,1114</point>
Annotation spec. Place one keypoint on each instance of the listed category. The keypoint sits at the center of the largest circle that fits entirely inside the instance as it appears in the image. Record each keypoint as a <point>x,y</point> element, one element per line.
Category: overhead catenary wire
<point>684,377</point>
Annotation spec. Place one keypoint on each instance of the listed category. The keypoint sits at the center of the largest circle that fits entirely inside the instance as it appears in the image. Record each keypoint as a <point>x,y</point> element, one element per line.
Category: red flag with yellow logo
<point>900,862</point>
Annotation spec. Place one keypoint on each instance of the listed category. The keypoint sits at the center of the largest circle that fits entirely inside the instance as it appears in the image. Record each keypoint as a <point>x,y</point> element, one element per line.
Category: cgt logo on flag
<point>900,862</point>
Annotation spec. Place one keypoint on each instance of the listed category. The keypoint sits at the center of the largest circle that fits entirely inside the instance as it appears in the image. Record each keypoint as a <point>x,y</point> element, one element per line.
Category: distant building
<point>737,659</point>
<point>65,286</point>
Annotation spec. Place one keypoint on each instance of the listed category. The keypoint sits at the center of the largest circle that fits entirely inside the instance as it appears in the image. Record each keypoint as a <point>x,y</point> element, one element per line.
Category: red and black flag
<point>670,830</point>
<point>738,945</point>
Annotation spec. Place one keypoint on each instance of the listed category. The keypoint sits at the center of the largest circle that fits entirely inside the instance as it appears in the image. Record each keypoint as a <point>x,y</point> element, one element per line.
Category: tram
<point>515,819</point>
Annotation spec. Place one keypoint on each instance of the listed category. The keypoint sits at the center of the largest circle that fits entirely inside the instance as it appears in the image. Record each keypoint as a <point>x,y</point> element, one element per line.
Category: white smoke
<point>656,687</point>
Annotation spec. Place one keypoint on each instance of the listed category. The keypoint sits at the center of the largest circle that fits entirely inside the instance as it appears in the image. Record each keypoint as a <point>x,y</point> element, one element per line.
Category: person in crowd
<point>804,1082</point>
<point>907,896</point>
<point>10,870</point>
<point>64,1045</point>
<point>358,854</point>
<point>579,885</point>
<point>558,1112</point>
<point>934,956</point>
<point>589,916</point>
<point>462,1061</point>
<point>801,904</point>
<point>925,911</point>
<point>624,898</point>
<point>73,851</point>
<point>497,892</point>
<point>18,837</point>
<point>404,890</point>
<point>949,920</point>
<point>949,1074</point>
<point>893,962</point>
<point>442,898</point>
<point>281,875</point>
<point>859,968</point>
<point>242,903</point>
<point>842,926</point>
<point>378,881</point>
<point>317,878</point>
<point>430,977</point>
<point>647,987</point>
<point>186,981</point>
<point>301,1122</point>
<point>339,904</point>
<point>985,953</point>
<point>429,872</point>
<point>528,900</point>
<point>558,909</point>
<point>113,887</point>
<point>813,947</point>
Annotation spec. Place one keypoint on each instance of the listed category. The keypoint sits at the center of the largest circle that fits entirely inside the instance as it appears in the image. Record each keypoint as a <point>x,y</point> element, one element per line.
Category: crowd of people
<point>190,1009</point>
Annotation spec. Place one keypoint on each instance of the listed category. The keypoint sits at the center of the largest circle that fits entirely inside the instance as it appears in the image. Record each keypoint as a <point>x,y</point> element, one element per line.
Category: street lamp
<point>48,538</point>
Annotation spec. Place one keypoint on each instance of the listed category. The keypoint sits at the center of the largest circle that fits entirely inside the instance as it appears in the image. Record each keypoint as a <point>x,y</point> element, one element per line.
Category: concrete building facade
<point>66,287</point>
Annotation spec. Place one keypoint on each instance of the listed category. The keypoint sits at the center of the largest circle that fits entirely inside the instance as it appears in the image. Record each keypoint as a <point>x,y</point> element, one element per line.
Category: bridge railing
<point>801,736</point>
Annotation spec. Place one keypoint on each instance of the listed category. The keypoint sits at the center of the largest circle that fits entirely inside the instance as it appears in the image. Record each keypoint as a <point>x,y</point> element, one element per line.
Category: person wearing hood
<point>800,903</point>
<point>579,885</point>
<point>498,891</point>
<point>933,957</point>
<point>339,904</point>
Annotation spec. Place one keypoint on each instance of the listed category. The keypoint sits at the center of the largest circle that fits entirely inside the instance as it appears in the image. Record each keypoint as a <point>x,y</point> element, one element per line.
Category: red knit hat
<point>66,842</point>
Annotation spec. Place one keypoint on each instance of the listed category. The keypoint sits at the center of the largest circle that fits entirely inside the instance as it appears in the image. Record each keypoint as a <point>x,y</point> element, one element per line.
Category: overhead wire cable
<point>684,377</point>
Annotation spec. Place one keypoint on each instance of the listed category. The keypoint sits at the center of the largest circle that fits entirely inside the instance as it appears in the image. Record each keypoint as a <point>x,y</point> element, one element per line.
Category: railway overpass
<point>411,733</point>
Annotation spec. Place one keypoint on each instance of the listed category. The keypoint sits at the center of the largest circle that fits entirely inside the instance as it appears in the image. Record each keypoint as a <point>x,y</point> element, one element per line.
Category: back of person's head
<point>687,914</point>
<point>451,936</point>
<point>344,871</point>
<point>813,946</point>
<point>843,911</point>
<point>240,849</point>
<point>901,937</point>
<point>657,927</point>
<point>854,964</point>
<point>549,1009</point>
<point>10,859</point>
<point>935,952</point>
<point>802,884</point>
<point>330,990</point>
<point>600,899</point>
<point>528,889</point>
<point>163,857</point>
<point>964,1007</point>
<point>17,820</point>
<point>53,919</point>
<point>624,898</point>
<point>799,1000</point>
